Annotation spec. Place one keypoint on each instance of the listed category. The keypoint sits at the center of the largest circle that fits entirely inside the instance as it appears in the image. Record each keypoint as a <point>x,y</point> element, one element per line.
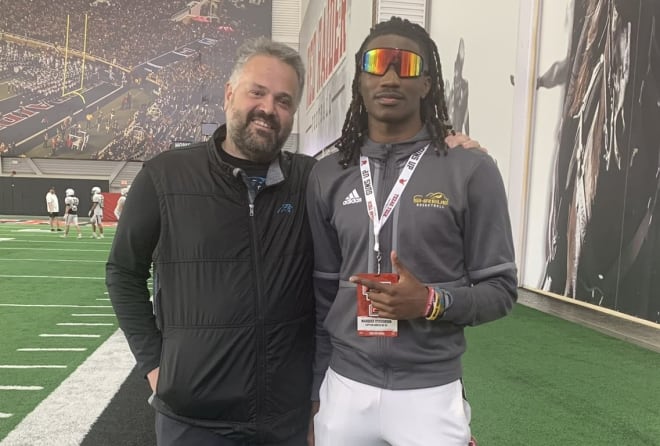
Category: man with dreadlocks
<point>394,290</point>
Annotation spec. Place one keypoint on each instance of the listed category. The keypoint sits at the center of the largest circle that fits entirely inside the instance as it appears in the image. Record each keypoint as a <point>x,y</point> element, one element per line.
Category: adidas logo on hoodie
<point>352,198</point>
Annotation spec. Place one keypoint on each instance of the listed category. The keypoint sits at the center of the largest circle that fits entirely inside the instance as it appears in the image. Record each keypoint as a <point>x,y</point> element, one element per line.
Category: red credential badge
<point>368,321</point>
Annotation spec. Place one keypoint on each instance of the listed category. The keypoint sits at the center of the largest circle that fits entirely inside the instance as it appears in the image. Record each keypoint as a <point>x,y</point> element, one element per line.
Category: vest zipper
<point>259,318</point>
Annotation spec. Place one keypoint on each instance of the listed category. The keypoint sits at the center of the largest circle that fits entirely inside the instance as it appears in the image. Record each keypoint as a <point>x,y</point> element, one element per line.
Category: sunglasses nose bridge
<point>392,72</point>
<point>394,61</point>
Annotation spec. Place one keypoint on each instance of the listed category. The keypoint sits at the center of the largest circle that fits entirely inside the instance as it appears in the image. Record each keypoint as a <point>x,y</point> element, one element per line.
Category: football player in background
<point>120,203</point>
<point>96,212</point>
<point>71,203</point>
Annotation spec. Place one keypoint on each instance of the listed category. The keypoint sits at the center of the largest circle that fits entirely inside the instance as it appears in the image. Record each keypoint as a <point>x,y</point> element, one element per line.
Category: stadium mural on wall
<point>602,241</point>
<point>117,79</point>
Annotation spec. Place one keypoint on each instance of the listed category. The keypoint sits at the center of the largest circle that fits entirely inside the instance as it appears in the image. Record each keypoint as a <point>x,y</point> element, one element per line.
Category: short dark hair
<point>433,106</point>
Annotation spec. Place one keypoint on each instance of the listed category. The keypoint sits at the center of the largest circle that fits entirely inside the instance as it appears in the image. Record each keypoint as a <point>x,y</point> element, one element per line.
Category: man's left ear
<point>229,91</point>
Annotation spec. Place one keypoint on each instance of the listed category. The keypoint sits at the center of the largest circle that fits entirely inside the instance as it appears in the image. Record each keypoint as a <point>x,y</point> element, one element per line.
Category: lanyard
<point>392,199</point>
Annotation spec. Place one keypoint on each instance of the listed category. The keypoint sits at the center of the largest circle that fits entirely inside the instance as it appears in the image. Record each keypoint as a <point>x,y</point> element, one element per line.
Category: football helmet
<point>70,192</point>
<point>96,190</point>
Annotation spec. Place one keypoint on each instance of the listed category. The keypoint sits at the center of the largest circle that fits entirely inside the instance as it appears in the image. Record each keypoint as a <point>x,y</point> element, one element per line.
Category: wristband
<point>429,301</point>
<point>439,304</point>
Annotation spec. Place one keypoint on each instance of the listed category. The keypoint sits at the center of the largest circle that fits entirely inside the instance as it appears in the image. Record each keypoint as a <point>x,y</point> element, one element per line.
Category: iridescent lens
<point>406,63</point>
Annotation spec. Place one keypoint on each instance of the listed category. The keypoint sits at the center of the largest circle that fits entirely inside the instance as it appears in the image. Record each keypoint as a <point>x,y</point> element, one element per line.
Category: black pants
<point>170,432</point>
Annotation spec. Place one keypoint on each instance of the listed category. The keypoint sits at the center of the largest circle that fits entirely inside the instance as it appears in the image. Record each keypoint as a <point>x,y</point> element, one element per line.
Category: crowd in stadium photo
<point>124,43</point>
<point>190,93</point>
<point>122,31</point>
<point>39,74</point>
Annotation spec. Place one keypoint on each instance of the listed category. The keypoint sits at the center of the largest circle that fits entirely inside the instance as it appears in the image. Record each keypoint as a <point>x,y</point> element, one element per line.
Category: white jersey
<point>98,199</point>
<point>120,206</point>
<point>72,203</point>
<point>52,203</point>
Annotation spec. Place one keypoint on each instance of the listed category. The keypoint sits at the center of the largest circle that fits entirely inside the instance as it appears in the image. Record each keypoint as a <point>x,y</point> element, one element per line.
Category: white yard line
<point>86,324</point>
<point>92,315</point>
<point>105,242</point>
<point>69,412</point>
<point>57,249</point>
<point>31,231</point>
<point>5,415</point>
<point>45,230</point>
<point>2,366</point>
<point>55,260</point>
<point>68,335</point>
<point>91,241</point>
<point>11,276</point>
<point>70,349</point>
<point>21,388</point>
<point>56,306</point>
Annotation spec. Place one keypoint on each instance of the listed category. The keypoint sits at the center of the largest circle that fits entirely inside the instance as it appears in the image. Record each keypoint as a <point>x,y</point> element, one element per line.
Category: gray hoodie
<point>450,228</point>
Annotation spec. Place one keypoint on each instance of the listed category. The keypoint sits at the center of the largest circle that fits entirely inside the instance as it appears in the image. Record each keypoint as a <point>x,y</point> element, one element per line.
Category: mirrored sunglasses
<point>406,63</point>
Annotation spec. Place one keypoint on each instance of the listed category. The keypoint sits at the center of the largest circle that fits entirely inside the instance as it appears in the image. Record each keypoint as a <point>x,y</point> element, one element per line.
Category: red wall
<point>109,203</point>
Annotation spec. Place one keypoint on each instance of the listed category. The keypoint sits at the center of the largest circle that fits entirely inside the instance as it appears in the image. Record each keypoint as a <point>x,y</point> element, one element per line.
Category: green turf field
<point>536,380</point>
<point>48,285</point>
<point>532,379</point>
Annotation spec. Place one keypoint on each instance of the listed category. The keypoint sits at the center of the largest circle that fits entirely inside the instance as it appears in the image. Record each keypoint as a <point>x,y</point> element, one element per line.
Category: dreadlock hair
<point>433,106</point>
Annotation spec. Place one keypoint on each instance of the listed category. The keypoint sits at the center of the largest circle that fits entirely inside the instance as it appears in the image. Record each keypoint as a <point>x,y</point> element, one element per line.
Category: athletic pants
<point>352,413</point>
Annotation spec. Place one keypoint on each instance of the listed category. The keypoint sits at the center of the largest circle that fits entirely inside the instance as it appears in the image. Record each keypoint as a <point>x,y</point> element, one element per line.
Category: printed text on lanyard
<point>392,199</point>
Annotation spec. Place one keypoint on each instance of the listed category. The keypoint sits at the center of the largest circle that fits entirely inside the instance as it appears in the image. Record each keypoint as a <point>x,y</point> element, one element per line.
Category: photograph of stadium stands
<point>117,79</point>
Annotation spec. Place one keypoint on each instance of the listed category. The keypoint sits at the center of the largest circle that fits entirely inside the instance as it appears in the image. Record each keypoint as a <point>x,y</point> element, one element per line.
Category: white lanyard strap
<point>392,199</point>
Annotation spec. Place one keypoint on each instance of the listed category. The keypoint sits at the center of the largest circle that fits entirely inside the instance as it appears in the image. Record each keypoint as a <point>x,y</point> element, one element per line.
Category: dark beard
<point>259,146</point>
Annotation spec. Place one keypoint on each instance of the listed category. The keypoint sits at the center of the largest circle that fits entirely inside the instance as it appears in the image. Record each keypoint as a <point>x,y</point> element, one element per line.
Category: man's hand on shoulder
<point>460,139</point>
